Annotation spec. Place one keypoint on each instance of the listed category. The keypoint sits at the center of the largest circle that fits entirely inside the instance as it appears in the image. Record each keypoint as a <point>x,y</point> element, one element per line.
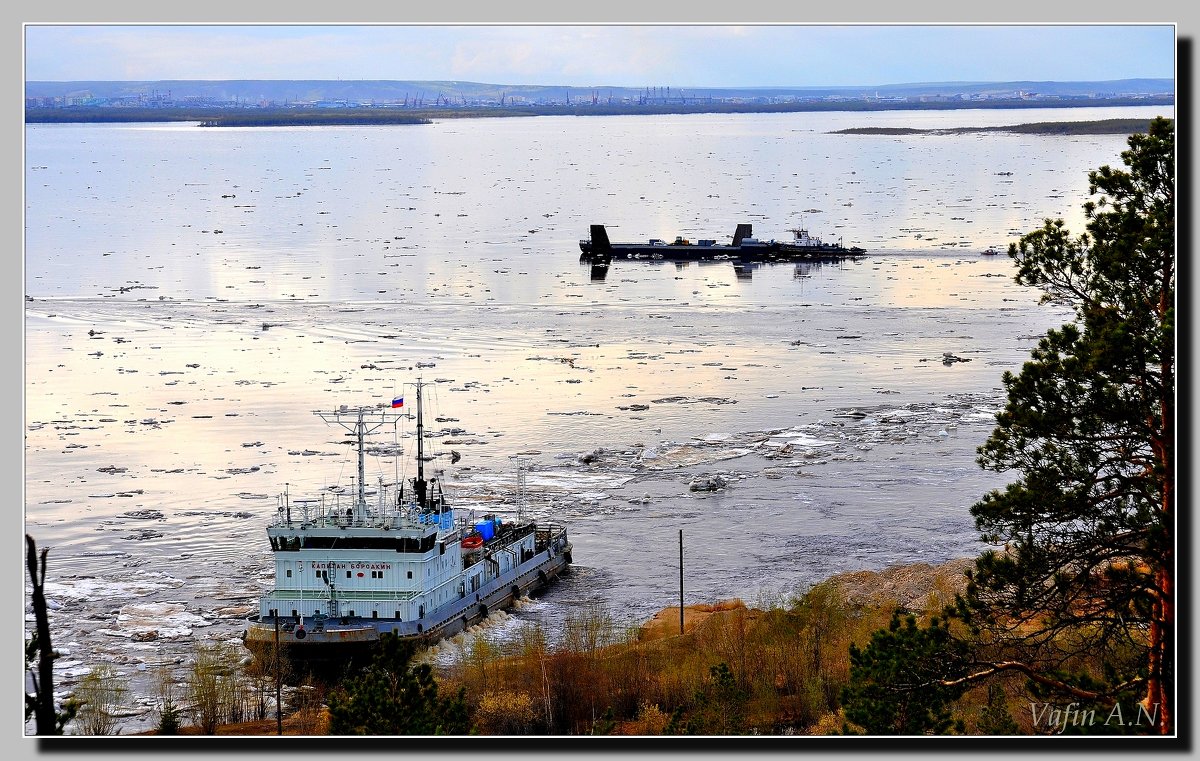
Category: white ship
<point>349,569</point>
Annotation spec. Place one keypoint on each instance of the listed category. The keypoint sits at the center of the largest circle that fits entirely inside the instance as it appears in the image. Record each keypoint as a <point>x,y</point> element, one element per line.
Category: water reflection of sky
<point>349,212</point>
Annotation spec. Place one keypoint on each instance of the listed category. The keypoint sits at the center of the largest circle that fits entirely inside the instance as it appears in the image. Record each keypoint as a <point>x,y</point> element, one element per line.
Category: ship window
<point>295,613</point>
<point>289,573</point>
<point>347,574</point>
<point>352,614</point>
<point>410,574</point>
<point>397,615</point>
<point>374,614</point>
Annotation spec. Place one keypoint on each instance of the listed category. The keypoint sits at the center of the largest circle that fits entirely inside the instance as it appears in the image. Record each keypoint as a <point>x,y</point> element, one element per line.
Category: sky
<point>772,55</point>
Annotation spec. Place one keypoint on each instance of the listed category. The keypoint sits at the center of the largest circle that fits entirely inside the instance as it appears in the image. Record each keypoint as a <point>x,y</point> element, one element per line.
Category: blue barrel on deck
<point>486,529</point>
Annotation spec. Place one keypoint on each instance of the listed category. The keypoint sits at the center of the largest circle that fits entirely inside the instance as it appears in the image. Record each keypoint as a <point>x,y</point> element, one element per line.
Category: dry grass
<point>788,666</point>
<point>302,723</point>
<point>666,622</point>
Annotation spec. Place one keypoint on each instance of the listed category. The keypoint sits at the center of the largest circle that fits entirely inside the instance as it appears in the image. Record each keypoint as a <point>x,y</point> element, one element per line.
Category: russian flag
<point>398,402</point>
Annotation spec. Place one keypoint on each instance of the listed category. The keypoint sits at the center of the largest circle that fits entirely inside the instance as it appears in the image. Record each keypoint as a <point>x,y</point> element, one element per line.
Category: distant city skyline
<point>697,55</point>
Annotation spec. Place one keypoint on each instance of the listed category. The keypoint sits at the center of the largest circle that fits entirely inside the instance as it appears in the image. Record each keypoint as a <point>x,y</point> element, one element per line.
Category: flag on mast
<point>398,402</point>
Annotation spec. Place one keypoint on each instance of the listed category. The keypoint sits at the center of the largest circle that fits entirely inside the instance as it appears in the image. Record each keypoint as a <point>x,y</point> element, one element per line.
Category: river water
<point>193,295</point>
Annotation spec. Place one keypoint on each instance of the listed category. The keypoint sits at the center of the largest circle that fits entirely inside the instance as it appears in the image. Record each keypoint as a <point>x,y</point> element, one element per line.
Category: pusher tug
<point>407,563</point>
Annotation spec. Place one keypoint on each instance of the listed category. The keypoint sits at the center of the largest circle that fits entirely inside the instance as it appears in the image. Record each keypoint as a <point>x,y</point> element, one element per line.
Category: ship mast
<point>361,502</point>
<point>419,484</point>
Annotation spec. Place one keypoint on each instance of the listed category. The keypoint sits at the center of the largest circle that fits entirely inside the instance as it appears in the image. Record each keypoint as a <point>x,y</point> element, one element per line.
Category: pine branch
<point>1104,697</point>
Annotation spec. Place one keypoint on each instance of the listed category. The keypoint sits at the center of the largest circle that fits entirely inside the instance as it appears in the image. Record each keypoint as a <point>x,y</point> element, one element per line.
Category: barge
<point>598,249</point>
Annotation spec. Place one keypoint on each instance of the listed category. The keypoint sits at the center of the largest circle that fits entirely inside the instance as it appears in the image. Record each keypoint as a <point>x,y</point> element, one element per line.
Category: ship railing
<point>550,534</point>
<point>292,595</point>
<point>371,594</point>
<point>336,505</point>
<point>406,516</point>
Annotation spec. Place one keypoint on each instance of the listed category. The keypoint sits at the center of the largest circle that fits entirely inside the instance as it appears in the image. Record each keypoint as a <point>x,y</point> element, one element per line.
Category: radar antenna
<point>360,421</point>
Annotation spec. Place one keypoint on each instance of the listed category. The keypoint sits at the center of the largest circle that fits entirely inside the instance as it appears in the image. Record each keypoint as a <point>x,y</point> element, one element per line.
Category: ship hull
<point>789,252</point>
<point>748,251</point>
<point>668,252</point>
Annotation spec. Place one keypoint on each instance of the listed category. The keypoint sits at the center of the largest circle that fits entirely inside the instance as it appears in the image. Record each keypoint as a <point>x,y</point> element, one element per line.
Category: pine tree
<point>1081,596</point>
<point>904,680</point>
<point>390,698</point>
<point>994,718</point>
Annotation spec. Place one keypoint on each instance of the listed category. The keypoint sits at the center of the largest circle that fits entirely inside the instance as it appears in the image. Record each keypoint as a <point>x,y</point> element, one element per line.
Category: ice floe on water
<point>852,434</point>
<point>573,480</point>
<point>797,437</point>
<point>668,455</point>
<point>146,621</point>
<point>546,487</point>
<point>91,589</point>
<point>708,482</point>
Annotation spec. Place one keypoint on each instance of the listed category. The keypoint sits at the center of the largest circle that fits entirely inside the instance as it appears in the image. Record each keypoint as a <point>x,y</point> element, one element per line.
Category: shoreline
<point>916,587</point>
<point>380,116</point>
<point>1096,127</point>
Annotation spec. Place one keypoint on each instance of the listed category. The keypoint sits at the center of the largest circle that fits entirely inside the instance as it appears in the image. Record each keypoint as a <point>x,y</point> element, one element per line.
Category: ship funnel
<point>600,239</point>
<point>743,231</point>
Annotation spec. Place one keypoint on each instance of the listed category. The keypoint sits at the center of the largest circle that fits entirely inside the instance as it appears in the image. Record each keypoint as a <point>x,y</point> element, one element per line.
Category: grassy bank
<point>734,669</point>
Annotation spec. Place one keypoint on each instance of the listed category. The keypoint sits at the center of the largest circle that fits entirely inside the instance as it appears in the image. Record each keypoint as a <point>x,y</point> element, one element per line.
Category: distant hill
<point>454,92</point>
<point>1061,89</point>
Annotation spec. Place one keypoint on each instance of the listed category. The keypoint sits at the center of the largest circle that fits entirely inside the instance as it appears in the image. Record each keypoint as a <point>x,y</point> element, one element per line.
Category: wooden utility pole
<point>681,581</point>
<point>278,681</point>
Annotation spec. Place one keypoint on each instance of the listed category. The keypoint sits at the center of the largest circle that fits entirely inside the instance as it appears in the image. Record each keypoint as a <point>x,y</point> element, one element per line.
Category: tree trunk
<point>43,682</point>
<point>1162,630</point>
<point>1158,694</point>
